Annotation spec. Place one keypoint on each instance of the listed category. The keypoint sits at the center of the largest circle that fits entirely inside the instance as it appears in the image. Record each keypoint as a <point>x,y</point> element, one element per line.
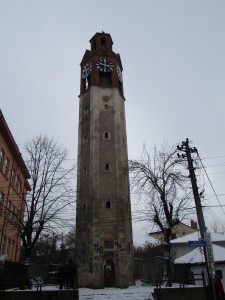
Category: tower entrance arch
<point>109,273</point>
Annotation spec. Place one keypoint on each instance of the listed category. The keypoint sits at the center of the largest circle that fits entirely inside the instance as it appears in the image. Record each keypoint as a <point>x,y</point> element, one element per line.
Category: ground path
<point>137,292</point>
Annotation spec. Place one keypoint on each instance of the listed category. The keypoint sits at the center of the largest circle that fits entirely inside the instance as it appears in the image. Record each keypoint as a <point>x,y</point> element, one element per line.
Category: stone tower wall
<point>104,230</point>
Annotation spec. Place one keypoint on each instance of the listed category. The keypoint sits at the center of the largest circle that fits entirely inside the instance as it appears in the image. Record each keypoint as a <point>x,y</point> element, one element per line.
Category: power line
<point>211,183</point>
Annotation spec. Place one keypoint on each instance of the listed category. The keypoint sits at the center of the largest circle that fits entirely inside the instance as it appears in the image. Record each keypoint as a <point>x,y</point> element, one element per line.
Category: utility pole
<point>201,222</point>
<point>185,148</point>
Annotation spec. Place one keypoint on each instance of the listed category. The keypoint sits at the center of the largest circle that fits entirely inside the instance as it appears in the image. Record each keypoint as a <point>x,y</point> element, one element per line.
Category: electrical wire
<point>210,183</point>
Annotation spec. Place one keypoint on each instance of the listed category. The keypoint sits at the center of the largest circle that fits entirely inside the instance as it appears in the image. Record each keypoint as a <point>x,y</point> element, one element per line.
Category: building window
<point>85,171</point>
<point>105,79</point>
<point>83,247</point>
<point>86,110</point>
<point>85,140</point>
<point>1,200</point>
<point>106,107</point>
<point>106,135</point>
<point>3,250</point>
<point>106,167</point>
<point>20,188</point>
<point>17,216</point>
<point>9,247</point>
<point>17,183</point>
<point>9,210</point>
<point>6,167</point>
<point>108,204</point>
<point>13,248</point>
<point>109,244</point>
<point>13,213</point>
<point>93,46</point>
<point>1,157</point>
<point>103,41</point>
<point>12,176</point>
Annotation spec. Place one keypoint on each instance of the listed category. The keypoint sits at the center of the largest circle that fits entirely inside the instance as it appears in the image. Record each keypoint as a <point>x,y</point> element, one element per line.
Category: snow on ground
<point>137,292</point>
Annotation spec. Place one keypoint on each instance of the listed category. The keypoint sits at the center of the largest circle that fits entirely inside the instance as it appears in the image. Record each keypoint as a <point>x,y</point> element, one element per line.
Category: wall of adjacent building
<point>13,190</point>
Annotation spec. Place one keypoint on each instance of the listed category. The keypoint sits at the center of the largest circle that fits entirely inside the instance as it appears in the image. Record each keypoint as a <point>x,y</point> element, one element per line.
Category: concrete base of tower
<point>90,281</point>
<point>108,273</point>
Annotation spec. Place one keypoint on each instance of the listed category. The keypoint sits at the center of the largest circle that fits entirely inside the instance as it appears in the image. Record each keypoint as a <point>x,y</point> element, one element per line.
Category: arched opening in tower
<point>109,273</point>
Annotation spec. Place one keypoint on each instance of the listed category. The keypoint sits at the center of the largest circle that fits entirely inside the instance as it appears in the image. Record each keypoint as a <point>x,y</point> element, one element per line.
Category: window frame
<point>5,168</point>
<point>2,155</point>
<point>1,200</point>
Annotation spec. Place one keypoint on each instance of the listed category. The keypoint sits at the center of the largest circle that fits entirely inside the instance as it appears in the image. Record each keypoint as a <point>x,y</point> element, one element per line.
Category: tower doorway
<point>109,274</point>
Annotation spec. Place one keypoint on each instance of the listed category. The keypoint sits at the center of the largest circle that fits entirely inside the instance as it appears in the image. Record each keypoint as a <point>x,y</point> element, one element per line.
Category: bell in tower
<point>104,244</point>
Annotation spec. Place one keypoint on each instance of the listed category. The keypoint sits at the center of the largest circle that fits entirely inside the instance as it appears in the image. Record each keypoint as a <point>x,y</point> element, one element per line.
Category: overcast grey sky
<point>174,73</point>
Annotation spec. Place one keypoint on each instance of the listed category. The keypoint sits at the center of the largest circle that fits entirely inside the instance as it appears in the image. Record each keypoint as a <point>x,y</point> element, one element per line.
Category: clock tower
<point>104,245</point>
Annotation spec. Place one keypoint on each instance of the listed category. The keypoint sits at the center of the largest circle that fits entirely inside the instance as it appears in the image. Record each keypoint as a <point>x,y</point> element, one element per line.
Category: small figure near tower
<point>103,221</point>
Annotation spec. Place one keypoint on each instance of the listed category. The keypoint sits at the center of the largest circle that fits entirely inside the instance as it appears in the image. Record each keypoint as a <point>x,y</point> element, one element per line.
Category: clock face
<point>119,73</point>
<point>104,65</point>
<point>86,71</point>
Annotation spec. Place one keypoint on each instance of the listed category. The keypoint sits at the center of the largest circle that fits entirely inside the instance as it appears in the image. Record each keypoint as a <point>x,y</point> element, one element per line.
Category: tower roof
<point>101,40</point>
<point>101,34</point>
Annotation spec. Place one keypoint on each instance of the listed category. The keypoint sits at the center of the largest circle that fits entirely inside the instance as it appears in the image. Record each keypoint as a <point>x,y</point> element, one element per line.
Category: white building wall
<point>200,268</point>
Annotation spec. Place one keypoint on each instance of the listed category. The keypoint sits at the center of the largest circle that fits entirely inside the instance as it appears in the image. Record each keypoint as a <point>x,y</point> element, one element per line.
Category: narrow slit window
<point>83,247</point>
<point>106,135</point>
<point>107,167</point>
<point>86,110</point>
<point>85,140</point>
<point>13,176</point>
<point>93,46</point>
<point>6,167</point>
<point>1,201</point>
<point>103,41</point>
<point>85,171</point>
<point>108,204</point>
<point>1,157</point>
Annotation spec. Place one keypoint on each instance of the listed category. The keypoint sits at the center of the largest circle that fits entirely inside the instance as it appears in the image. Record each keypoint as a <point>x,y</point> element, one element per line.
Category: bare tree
<point>161,179</point>
<point>217,228</point>
<point>148,250</point>
<point>51,191</point>
<point>54,247</point>
<point>46,249</point>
